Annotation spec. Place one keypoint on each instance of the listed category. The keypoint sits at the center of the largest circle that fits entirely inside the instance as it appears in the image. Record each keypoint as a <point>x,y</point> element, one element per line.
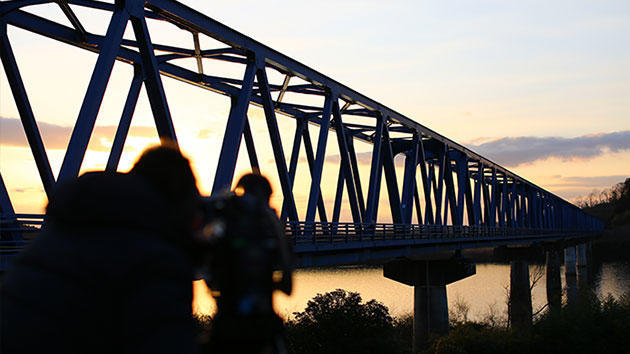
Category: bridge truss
<point>444,184</point>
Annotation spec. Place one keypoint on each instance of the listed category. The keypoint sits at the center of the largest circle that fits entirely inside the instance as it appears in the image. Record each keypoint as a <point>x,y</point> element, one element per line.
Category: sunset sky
<point>540,87</point>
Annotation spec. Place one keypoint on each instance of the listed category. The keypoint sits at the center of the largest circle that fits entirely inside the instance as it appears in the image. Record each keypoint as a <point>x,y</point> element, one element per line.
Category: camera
<point>247,257</point>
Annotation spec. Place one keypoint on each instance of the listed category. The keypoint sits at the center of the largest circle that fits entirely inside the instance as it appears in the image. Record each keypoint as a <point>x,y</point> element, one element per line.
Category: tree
<point>337,322</point>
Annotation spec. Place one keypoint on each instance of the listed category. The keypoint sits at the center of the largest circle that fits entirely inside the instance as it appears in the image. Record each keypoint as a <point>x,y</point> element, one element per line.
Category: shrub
<point>337,322</point>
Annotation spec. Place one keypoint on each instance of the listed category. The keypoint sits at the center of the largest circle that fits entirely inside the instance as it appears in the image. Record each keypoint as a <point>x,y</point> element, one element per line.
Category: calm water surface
<point>484,293</point>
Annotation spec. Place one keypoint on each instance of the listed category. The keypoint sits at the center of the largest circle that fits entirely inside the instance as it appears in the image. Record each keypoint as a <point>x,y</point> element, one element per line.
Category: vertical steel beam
<point>390,178</point>
<point>494,199</point>
<point>152,80</point>
<point>426,185</point>
<point>316,175</point>
<point>535,208</point>
<point>125,120</point>
<point>450,200</point>
<point>438,191</point>
<point>461,171</point>
<point>523,218</point>
<point>345,163</point>
<point>94,95</point>
<point>477,194</point>
<point>504,201</point>
<point>26,112</point>
<point>374,186</point>
<point>276,142</point>
<point>446,203</point>
<point>409,181</point>
<point>486,198</point>
<point>233,133</point>
<point>513,204</point>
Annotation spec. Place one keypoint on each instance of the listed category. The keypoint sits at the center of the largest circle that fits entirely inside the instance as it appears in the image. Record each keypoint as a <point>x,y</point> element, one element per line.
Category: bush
<point>590,325</point>
<point>337,322</point>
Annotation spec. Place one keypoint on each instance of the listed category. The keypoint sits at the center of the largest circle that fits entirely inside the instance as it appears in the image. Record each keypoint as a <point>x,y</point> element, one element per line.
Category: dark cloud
<point>56,137</point>
<point>514,151</point>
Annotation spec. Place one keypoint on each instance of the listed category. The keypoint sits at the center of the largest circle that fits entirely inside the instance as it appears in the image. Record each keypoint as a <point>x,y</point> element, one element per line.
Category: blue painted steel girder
<point>446,168</point>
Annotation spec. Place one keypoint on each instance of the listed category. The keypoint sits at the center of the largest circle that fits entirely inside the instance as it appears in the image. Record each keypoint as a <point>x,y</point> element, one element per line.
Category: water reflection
<point>613,279</point>
<point>485,293</point>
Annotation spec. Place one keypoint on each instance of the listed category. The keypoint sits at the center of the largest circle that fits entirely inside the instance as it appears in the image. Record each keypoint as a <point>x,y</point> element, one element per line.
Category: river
<point>484,294</point>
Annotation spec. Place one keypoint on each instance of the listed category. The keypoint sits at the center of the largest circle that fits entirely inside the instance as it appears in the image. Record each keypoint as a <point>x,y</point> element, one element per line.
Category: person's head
<point>255,185</point>
<point>169,172</point>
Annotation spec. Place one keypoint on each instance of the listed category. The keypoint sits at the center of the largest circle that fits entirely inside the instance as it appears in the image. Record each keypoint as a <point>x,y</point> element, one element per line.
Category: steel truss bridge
<point>459,198</point>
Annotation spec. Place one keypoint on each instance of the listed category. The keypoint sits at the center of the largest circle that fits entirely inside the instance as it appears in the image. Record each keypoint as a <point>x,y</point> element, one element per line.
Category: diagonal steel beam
<point>153,81</point>
<point>251,147</point>
<point>390,178</point>
<point>26,112</point>
<point>376,169</point>
<point>125,120</point>
<point>94,96</point>
<point>274,134</point>
<point>310,158</point>
<point>233,133</point>
<point>316,178</point>
<point>345,163</point>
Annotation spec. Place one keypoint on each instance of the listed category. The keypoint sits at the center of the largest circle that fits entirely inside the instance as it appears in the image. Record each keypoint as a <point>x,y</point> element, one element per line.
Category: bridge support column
<point>520,302</point>
<point>570,274</point>
<point>429,279</point>
<point>582,266</point>
<point>520,298</point>
<point>554,284</point>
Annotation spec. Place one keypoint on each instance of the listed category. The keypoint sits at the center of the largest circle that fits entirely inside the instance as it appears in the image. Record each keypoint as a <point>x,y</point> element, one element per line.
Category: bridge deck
<point>324,243</point>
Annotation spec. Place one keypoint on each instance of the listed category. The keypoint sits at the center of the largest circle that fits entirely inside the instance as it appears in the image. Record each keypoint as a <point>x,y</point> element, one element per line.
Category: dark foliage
<point>611,205</point>
<point>588,326</point>
<point>337,322</point>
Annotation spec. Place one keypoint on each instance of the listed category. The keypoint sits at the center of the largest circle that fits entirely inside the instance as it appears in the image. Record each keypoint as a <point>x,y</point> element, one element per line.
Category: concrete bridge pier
<point>570,273</point>
<point>520,297</point>
<point>520,302</point>
<point>429,279</point>
<point>554,284</point>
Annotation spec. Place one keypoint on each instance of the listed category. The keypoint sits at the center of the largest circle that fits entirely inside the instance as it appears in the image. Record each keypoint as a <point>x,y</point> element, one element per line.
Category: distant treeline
<point>611,205</point>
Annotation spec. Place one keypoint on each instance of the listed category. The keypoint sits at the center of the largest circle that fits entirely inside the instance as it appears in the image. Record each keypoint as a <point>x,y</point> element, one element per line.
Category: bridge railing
<point>343,232</point>
<point>17,231</point>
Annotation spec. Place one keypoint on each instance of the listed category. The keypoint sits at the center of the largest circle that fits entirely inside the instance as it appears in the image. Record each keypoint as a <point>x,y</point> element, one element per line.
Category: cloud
<point>596,180</point>
<point>586,182</point>
<point>514,151</point>
<point>56,137</point>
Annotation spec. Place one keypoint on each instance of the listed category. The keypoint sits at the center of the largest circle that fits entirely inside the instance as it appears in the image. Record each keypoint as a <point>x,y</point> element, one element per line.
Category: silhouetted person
<point>112,270</point>
<point>247,244</point>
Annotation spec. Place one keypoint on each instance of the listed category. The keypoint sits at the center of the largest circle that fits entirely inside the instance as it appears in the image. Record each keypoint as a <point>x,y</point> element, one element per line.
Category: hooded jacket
<point>108,274</point>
